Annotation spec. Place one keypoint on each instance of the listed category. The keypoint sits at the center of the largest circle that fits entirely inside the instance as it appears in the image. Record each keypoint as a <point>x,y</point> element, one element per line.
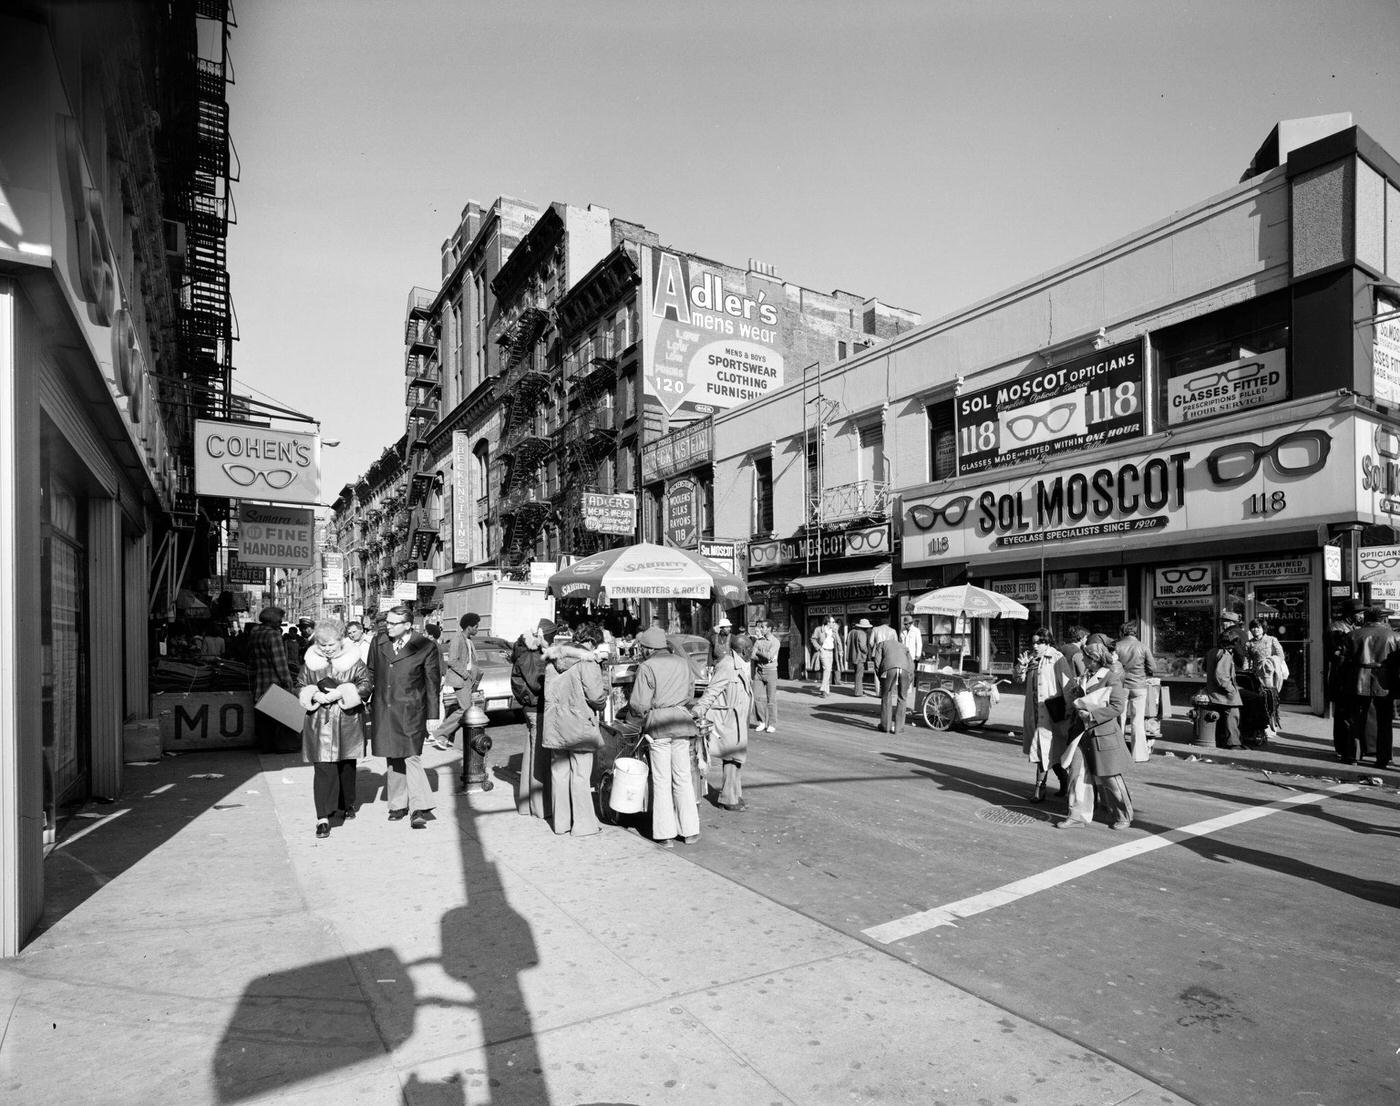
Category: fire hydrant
<point>1203,719</point>
<point>476,744</point>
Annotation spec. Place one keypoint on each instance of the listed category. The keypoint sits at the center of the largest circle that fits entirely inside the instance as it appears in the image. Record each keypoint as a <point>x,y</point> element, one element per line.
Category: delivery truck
<point>507,608</point>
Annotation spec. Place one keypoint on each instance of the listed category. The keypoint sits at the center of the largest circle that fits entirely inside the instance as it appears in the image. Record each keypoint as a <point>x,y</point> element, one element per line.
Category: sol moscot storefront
<point>1259,515</point>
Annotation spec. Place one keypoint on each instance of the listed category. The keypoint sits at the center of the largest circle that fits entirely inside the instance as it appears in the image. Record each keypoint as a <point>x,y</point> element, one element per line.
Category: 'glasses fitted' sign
<point>256,462</point>
<point>1254,381</point>
<point>1058,409</point>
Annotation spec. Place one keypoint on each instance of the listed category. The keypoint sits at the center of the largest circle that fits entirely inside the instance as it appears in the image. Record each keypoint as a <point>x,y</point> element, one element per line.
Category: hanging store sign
<point>1270,478</point>
<point>275,537</point>
<point>609,514</point>
<point>1180,582</point>
<point>723,553</point>
<point>713,336</point>
<point>332,576</point>
<point>240,573</point>
<point>1385,354</point>
<point>1084,402</point>
<point>683,512</point>
<point>1249,382</point>
<point>679,451</point>
<point>858,541</point>
<point>1379,564</point>
<point>406,591</point>
<point>461,530</point>
<point>241,461</point>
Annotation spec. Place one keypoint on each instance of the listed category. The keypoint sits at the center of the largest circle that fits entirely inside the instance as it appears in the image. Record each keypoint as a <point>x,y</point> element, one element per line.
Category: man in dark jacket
<point>895,667</point>
<point>858,653</point>
<point>527,685</point>
<point>407,679</point>
<point>1338,634</point>
<point>1370,659</point>
<point>268,665</point>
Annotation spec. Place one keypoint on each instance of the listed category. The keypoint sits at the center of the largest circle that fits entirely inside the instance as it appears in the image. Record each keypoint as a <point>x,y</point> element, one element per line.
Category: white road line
<point>925,920</point>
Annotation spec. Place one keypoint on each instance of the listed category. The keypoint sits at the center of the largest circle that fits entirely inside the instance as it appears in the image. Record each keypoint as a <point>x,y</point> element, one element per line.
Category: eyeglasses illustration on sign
<point>860,540</point>
<point>1298,453</point>
<point>1387,443</point>
<point>1202,381</point>
<point>1190,575</point>
<point>1379,562</point>
<point>925,516</point>
<point>1023,427</point>
<point>1284,602</point>
<point>246,477</point>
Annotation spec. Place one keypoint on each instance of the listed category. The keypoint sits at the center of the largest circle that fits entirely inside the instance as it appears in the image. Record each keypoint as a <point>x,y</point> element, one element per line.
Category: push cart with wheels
<point>947,699</point>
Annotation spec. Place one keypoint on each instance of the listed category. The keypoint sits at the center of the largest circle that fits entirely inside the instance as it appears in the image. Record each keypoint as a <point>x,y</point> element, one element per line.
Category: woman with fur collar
<point>333,686</point>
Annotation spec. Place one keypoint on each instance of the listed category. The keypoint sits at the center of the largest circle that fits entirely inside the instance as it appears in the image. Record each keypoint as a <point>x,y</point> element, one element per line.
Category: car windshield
<point>492,651</point>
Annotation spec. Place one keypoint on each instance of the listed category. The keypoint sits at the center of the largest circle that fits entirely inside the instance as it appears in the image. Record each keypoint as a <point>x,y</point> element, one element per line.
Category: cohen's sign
<point>256,462</point>
<point>1275,476</point>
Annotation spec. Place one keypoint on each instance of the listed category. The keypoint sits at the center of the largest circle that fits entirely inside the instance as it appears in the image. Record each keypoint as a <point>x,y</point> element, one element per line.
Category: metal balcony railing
<point>422,370</point>
<point>418,334</point>
<point>858,499</point>
<point>420,301</point>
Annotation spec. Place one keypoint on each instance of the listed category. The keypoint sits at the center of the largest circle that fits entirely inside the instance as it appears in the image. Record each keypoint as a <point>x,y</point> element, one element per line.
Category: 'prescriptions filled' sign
<point>275,537</point>
<point>1224,389</point>
<point>240,461</point>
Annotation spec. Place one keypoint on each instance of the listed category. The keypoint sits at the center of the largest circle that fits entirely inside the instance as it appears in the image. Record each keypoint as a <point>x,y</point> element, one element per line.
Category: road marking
<point>925,920</point>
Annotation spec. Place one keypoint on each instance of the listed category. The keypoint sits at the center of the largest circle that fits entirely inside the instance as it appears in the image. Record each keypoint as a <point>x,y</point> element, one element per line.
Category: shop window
<point>762,495</point>
<point>1095,598</point>
<point>942,441</point>
<point>1231,360</point>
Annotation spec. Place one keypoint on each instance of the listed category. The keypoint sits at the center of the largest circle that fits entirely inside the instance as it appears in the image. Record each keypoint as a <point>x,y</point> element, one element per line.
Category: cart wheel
<point>940,712</point>
<point>606,814</point>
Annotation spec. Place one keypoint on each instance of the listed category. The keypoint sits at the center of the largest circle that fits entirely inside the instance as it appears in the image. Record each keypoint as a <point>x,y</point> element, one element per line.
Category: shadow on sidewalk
<point>323,1017</point>
<point>87,856</point>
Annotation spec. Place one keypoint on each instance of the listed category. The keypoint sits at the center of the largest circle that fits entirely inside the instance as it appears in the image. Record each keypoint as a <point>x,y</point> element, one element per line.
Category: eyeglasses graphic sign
<point>241,461</point>
<point>1239,385</point>
<point>1295,453</point>
<point>1054,409</point>
<point>1379,563</point>
<point>1185,581</point>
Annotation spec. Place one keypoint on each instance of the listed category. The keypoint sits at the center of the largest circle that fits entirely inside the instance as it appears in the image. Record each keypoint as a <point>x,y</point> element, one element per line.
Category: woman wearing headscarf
<point>333,685</point>
<point>1223,691</point>
<point>1047,675</point>
<point>574,693</point>
<point>1098,702</point>
<point>725,705</point>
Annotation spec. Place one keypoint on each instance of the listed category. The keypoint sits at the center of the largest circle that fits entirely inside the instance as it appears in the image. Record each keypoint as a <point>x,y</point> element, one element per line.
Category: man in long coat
<point>268,665</point>
<point>1370,659</point>
<point>407,680</point>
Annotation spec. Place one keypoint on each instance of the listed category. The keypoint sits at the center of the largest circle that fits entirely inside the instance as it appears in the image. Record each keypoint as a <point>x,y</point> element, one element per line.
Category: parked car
<point>493,656</point>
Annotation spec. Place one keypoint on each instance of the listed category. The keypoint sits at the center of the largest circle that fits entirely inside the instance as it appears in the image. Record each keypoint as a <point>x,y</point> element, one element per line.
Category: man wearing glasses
<point>407,679</point>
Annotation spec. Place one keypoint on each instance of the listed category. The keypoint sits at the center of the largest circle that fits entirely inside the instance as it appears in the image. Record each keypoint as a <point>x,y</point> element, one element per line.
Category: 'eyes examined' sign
<point>256,462</point>
<point>1084,402</point>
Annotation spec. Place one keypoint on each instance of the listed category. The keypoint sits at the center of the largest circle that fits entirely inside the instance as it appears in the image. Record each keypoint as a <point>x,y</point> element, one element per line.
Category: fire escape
<point>422,392</point>
<point>524,439</point>
<point>205,313</point>
<point>587,438</point>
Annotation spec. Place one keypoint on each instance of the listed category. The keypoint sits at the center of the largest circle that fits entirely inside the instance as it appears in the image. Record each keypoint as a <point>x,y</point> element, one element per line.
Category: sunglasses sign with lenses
<point>1222,389</point>
<point>256,462</point>
<point>1185,581</point>
<point>1058,409</point>
<point>1380,563</point>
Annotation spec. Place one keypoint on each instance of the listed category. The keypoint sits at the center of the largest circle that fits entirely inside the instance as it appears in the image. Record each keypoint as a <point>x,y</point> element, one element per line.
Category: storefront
<point>1235,516</point>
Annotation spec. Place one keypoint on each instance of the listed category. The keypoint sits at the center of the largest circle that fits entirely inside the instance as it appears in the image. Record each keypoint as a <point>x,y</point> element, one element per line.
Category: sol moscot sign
<point>1081,403</point>
<point>241,461</point>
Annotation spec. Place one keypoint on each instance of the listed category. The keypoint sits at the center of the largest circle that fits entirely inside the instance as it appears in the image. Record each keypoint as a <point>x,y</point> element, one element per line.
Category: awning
<point>845,585</point>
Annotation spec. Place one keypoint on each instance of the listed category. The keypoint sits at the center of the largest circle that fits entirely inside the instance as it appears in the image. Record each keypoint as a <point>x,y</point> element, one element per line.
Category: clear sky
<point>925,152</point>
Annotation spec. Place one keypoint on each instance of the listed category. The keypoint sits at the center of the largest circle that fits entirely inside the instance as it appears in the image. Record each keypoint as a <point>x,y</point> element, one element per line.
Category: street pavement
<point>202,946</point>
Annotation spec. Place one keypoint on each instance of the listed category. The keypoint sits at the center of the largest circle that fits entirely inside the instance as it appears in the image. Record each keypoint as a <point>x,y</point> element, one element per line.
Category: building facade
<point>1199,417</point>
<point>115,330</point>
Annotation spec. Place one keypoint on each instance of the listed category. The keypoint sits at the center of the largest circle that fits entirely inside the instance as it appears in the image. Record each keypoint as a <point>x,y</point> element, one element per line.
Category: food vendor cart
<point>944,696</point>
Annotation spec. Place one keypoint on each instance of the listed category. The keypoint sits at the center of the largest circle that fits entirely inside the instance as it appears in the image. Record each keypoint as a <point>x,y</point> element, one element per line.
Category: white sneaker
<point>772,729</point>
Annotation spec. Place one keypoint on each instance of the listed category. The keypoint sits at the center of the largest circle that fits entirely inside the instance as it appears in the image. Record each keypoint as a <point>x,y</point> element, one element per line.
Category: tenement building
<point>115,332</point>
<point>1199,418</point>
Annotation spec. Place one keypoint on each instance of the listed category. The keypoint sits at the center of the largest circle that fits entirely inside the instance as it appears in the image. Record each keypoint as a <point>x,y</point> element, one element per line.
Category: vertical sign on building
<point>1385,353</point>
<point>333,577</point>
<point>460,552</point>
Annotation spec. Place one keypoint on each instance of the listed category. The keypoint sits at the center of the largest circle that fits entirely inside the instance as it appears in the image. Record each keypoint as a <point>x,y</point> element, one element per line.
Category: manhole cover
<point>1012,816</point>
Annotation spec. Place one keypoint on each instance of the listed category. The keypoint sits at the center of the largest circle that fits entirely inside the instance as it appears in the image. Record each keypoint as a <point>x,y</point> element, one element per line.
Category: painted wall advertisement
<point>683,512</point>
<point>1224,389</point>
<point>1274,476</point>
<point>679,451</point>
<point>713,339</point>
<point>275,537</point>
<point>1081,403</point>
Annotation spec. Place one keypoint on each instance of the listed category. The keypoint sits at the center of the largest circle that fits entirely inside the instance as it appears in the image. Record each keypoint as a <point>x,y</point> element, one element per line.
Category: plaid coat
<point>267,660</point>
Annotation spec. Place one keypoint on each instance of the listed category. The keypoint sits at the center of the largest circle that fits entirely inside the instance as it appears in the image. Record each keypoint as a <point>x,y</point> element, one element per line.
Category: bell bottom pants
<point>333,787</point>
<point>673,812</point>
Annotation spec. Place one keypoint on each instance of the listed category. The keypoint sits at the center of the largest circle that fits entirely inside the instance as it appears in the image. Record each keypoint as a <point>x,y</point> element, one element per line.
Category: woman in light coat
<point>725,705</point>
<point>574,693</point>
<point>1098,703</point>
<point>333,685</point>
<point>1047,675</point>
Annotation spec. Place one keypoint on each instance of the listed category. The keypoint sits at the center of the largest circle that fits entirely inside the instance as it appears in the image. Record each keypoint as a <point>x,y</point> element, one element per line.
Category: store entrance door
<point>1285,609</point>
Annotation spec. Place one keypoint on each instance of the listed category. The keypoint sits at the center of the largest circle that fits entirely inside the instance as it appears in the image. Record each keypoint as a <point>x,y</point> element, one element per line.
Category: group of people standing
<point>1363,675</point>
<point>889,657</point>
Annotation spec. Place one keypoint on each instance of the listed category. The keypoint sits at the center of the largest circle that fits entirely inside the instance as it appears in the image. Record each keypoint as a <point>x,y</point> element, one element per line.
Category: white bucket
<point>629,785</point>
<point>967,704</point>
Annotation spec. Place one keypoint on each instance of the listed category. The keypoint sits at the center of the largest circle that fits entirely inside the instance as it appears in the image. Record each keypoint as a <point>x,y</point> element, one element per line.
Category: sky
<point>926,153</point>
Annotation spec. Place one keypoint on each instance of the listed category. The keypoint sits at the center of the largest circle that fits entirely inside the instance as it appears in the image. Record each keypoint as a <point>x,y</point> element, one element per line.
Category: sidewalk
<point>204,947</point>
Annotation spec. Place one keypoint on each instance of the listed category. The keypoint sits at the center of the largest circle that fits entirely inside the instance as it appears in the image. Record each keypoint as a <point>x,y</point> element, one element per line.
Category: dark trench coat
<point>406,690</point>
